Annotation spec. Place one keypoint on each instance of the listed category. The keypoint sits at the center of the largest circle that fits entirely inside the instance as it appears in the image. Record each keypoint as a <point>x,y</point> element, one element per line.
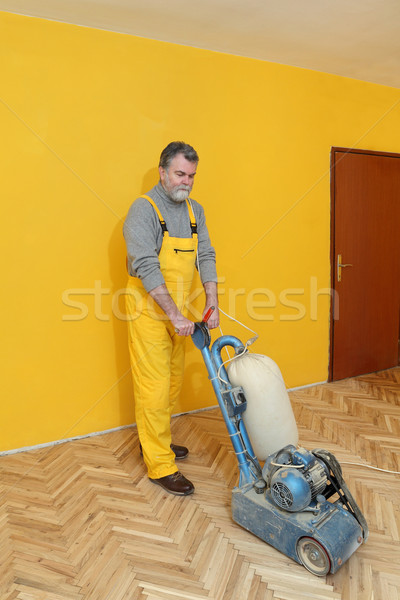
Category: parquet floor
<point>81,521</point>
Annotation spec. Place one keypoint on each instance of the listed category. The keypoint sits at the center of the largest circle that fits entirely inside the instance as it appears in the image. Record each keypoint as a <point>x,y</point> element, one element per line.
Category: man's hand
<point>210,288</point>
<point>182,325</point>
<point>213,321</point>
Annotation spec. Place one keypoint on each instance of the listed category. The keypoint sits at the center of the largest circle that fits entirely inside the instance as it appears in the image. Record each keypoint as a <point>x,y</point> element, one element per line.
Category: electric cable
<point>370,467</point>
<point>251,340</point>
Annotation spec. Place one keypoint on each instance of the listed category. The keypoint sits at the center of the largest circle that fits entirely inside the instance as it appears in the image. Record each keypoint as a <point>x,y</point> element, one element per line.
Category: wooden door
<point>365,190</point>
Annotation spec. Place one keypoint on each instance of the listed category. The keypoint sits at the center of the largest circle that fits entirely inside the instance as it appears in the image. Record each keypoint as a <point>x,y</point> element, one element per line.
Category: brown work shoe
<point>175,484</point>
<point>180,451</point>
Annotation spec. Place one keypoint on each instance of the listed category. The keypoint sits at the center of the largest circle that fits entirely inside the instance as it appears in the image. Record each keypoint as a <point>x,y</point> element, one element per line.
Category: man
<point>166,237</point>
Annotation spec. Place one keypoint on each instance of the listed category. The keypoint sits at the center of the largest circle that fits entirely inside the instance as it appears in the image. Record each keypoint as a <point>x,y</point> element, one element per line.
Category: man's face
<point>178,179</point>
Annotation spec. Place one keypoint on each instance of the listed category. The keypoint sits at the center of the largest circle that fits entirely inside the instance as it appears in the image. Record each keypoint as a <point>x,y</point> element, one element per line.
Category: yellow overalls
<point>157,352</point>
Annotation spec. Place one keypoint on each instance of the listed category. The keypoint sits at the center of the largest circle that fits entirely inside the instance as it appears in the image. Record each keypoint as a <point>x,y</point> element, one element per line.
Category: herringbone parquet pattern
<point>81,520</point>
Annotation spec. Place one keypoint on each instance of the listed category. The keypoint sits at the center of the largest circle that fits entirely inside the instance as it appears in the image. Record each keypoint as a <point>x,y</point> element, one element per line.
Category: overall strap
<point>193,224</point>
<point>160,217</point>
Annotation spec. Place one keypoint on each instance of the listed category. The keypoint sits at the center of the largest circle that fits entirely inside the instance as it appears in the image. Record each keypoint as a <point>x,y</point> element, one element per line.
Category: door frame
<point>335,149</point>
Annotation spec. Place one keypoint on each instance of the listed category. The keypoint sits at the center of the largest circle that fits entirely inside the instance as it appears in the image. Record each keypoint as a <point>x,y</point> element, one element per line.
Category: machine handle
<point>208,314</point>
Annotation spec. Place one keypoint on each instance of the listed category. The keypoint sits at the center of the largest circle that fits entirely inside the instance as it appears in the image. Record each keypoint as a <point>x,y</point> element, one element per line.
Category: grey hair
<point>175,148</point>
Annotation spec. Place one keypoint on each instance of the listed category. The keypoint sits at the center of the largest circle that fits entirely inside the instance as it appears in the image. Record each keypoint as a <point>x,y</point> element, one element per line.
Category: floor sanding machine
<point>297,501</point>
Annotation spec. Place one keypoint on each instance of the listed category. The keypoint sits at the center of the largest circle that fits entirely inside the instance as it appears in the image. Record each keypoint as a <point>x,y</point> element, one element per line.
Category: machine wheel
<point>313,556</point>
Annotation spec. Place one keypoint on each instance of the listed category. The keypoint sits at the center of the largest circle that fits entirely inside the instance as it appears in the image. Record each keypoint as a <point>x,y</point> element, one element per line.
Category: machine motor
<point>295,477</point>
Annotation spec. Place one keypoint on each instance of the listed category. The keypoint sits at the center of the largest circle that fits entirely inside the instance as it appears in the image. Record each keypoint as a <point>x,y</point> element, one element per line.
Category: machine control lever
<point>208,314</point>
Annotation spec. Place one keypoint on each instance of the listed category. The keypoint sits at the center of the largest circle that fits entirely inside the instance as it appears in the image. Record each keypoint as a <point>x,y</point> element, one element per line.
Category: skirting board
<point>88,435</point>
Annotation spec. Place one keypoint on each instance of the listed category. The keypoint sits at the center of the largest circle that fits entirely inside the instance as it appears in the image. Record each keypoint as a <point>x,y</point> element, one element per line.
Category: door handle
<point>340,266</point>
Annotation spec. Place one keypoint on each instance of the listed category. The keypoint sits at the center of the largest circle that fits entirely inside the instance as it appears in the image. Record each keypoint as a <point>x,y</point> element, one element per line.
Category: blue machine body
<point>332,526</point>
<point>290,502</point>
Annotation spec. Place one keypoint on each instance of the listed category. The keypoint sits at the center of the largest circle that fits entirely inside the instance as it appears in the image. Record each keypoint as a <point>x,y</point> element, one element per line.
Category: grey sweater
<point>143,236</point>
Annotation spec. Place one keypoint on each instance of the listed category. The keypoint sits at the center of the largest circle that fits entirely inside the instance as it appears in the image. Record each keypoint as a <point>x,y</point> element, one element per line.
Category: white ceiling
<point>353,38</point>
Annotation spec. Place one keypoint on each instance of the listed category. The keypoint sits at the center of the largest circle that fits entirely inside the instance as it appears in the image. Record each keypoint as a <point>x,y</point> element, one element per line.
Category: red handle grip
<point>208,314</point>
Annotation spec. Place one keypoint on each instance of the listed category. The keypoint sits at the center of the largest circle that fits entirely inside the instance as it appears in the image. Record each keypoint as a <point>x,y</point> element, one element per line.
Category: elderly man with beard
<point>166,237</point>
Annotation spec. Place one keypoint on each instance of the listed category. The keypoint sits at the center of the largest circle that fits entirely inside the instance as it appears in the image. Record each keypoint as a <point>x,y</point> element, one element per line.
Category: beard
<point>180,193</point>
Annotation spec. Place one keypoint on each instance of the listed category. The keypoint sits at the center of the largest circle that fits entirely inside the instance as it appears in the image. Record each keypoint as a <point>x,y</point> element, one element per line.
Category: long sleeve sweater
<point>143,237</point>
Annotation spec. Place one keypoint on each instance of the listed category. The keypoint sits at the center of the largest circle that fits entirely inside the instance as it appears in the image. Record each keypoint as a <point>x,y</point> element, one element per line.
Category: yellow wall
<point>83,117</point>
